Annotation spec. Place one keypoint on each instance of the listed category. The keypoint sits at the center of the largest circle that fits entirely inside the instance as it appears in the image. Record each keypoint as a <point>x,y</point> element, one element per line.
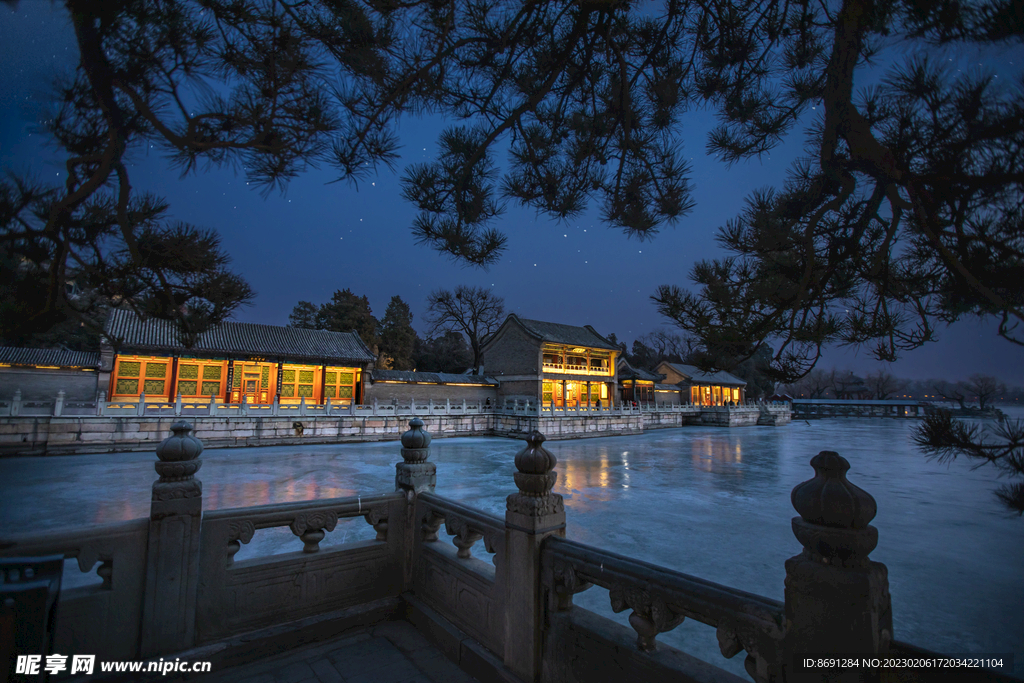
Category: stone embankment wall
<point>67,435</point>
<point>64,435</point>
<point>730,417</point>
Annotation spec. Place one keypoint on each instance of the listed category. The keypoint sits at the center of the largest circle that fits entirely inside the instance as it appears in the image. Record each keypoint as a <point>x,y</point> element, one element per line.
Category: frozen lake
<point>707,501</point>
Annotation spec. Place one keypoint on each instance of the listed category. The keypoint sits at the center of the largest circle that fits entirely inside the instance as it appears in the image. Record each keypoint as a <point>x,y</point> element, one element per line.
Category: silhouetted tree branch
<point>942,437</point>
<point>473,311</point>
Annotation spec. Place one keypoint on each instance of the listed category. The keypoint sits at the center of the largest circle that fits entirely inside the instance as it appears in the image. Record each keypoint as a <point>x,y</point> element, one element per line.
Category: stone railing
<point>468,591</point>
<point>104,615</point>
<point>498,599</point>
<point>143,407</point>
<point>236,597</point>
<point>660,599</point>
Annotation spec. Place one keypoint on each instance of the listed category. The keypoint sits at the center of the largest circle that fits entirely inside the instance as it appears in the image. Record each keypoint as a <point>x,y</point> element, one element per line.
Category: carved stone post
<point>415,475</point>
<point>837,600</point>
<point>530,516</point>
<point>16,403</point>
<point>172,559</point>
<point>141,407</point>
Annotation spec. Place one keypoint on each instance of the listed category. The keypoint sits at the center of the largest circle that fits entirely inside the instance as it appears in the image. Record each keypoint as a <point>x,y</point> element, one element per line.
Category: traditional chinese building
<point>637,385</point>
<point>705,388</point>
<point>39,374</point>
<point>231,362</point>
<point>551,363</point>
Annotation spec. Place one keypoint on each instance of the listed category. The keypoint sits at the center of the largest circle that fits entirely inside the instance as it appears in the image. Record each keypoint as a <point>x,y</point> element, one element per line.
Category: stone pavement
<point>389,652</point>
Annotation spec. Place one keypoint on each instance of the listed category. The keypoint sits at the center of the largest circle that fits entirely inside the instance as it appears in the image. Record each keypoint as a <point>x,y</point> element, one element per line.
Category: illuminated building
<point>704,388</point>
<point>551,363</point>
<point>230,363</point>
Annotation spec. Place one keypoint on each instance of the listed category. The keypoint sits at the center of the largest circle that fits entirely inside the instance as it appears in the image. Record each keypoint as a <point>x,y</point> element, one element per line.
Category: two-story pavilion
<point>230,363</point>
<point>706,388</point>
<point>551,363</point>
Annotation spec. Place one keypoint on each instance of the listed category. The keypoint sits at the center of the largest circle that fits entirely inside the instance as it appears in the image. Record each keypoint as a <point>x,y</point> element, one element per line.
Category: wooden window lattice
<point>265,378</point>
<point>211,372</point>
<point>188,371</point>
<point>187,387</point>
<point>210,389</point>
<point>129,368</point>
<point>127,386</point>
<point>156,370</point>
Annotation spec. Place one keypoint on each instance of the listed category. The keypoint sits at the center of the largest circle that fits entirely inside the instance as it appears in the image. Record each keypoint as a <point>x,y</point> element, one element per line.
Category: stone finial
<point>834,514</point>
<point>415,474</point>
<point>416,442</point>
<point>829,499</point>
<point>535,479</point>
<point>179,461</point>
<point>535,464</point>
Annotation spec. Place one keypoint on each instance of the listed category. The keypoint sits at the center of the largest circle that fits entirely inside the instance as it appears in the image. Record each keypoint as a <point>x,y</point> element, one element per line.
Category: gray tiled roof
<point>697,376</point>
<point>231,338</point>
<point>557,333</point>
<point>432,377</point>
<point>666,387</point>
<point>59,357</point>
<point>627,371</point>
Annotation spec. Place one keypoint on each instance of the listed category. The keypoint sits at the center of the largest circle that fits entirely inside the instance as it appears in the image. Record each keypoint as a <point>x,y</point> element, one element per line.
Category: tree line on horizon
<point>980,389</point>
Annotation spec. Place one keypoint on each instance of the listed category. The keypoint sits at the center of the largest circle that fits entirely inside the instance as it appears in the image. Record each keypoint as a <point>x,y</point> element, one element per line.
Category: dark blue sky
<point>317,237</point>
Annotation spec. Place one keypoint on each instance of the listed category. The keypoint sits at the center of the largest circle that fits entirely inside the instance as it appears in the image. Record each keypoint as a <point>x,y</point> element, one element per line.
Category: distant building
<point>850,387</point>
<point>39,374</point>
<point>639,385</point>
<point>551,363</point>
<point>230,362</point>
<point>704,388</point>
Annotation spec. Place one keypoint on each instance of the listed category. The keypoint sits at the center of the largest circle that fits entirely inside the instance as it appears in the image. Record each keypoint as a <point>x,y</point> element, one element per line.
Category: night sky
<point>319,237</point>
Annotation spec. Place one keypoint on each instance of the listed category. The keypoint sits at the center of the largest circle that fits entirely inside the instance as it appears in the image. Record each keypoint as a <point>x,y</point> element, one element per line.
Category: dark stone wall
<point>43,385</point>
<point>422,393</point>
<point>513,353</point>
<point>522,390</point>
<point>669,397</point>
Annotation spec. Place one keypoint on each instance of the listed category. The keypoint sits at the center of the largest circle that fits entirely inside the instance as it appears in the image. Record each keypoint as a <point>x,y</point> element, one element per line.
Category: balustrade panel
<point>659,599</point>
<point>105,614</point>
<point>235,597</point>
<point>464,579</point>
